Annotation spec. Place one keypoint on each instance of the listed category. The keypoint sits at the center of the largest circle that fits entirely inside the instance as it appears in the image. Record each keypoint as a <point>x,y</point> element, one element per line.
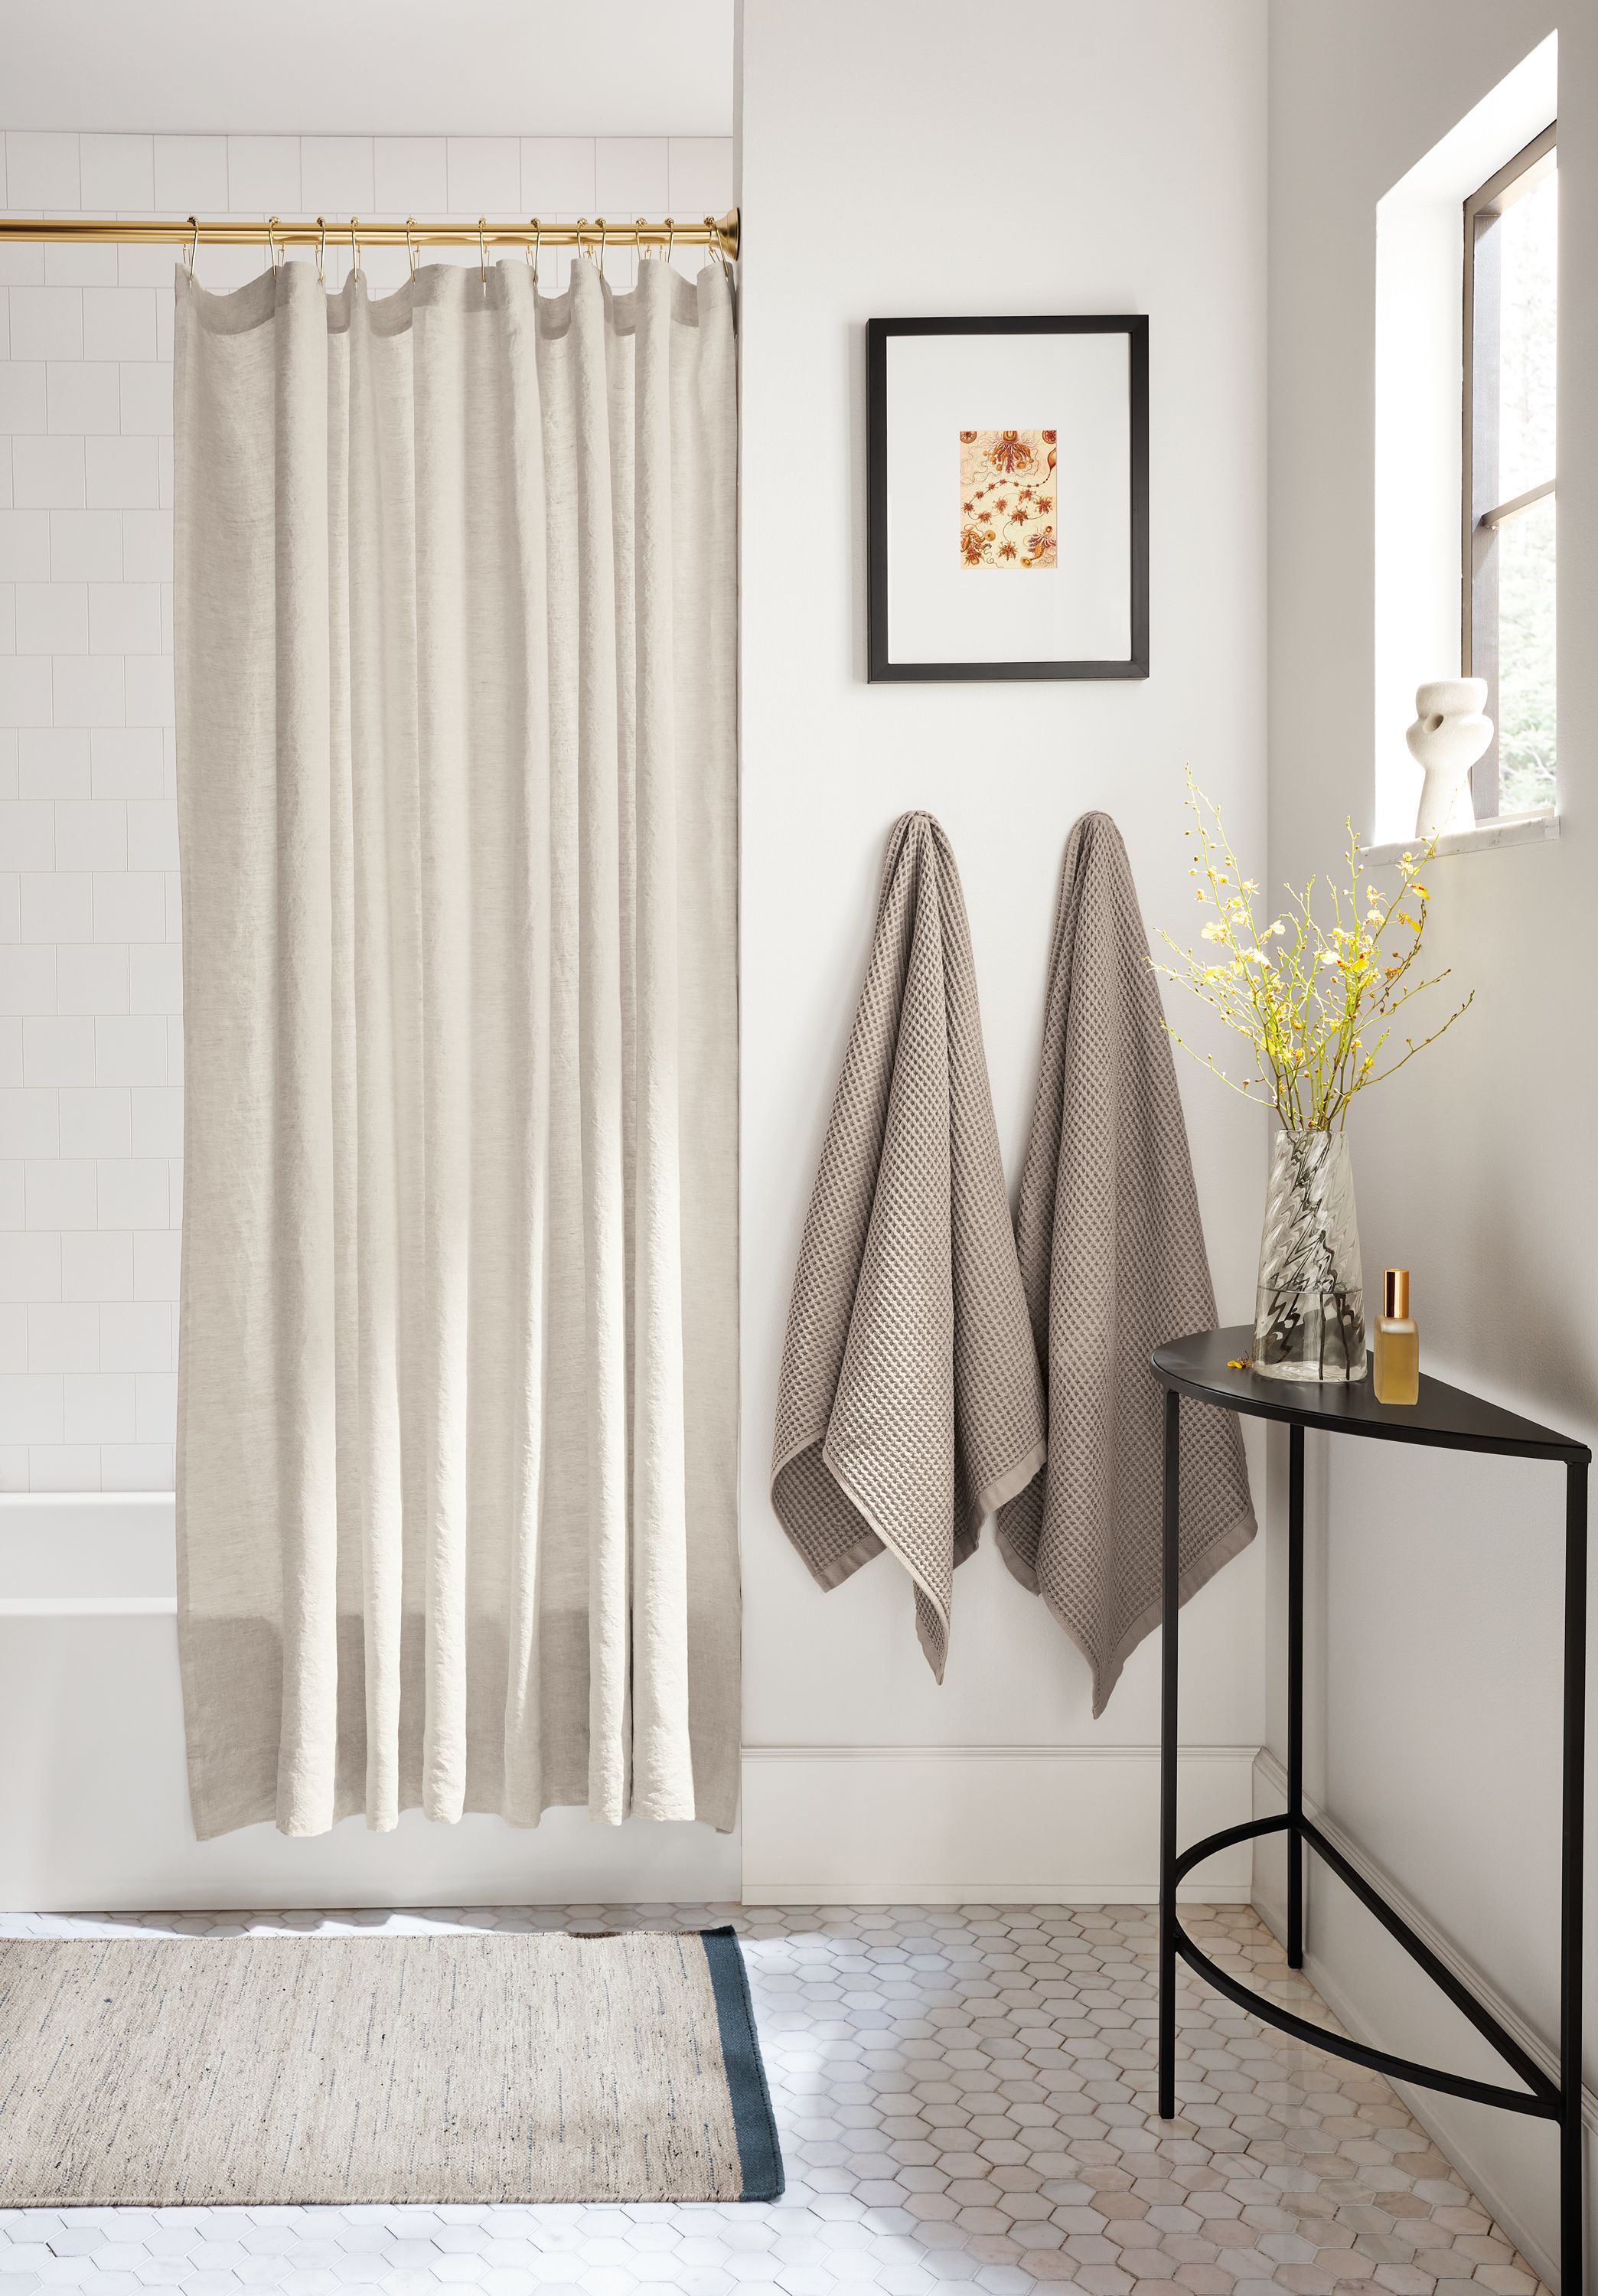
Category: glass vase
<point>1309,1320</point>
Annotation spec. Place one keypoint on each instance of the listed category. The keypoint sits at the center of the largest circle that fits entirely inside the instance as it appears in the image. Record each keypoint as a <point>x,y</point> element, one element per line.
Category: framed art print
<point>1008,479</point>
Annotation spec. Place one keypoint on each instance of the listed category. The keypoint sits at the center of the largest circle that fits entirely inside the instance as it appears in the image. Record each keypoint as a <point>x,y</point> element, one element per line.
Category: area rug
<point>196,2073</point>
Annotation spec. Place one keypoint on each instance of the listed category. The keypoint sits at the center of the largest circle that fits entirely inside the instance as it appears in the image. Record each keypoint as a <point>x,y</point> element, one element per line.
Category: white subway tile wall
<point>91,1051</point>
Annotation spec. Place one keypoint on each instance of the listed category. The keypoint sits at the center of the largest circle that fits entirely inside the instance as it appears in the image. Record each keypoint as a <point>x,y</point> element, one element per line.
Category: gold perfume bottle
<point>1395,1366</point>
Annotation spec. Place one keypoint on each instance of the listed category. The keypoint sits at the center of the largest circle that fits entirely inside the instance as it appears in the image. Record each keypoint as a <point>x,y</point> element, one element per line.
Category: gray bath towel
<point>910,1405</point>
<point>1113,1257</point>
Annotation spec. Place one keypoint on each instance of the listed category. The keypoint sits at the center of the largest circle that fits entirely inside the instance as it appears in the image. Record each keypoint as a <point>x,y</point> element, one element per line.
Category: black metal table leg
<point>1572,2259</point>
<point>1213,1367</point>
<point>1295,1697</point>
<point>1170,1580</point>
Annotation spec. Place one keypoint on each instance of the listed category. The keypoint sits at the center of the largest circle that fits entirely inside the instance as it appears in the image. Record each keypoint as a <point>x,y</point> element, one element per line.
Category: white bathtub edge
<point>88,1606</point>
<point>61,1502</point>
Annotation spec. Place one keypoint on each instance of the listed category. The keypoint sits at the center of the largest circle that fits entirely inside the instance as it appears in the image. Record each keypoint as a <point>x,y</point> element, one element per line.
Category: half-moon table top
<point>1446,1417</point>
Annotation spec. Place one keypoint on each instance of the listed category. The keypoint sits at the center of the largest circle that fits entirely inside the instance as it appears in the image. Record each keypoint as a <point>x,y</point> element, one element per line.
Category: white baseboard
<point>997,1825</point>
<point>1379,1996</point>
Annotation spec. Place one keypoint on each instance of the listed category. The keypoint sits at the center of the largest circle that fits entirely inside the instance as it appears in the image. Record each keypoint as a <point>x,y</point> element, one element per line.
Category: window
<point>1510,337</point>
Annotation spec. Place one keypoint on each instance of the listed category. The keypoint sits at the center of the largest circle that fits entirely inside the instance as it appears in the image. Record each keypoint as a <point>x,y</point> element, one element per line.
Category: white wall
<point>871,184</point>
<point>1434,1728</point>
<point>396,67</point>
<point>90,1124</point>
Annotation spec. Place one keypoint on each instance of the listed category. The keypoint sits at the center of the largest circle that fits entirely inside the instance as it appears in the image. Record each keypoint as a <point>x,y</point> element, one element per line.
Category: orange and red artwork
<point>1007,498</point>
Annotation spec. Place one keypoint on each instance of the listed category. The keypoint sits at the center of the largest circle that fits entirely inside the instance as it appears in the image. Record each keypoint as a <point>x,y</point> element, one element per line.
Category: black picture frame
<point>880,668</point>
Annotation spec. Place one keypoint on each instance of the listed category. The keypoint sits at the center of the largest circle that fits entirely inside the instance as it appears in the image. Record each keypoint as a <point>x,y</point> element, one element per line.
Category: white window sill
<point>1514,829</point>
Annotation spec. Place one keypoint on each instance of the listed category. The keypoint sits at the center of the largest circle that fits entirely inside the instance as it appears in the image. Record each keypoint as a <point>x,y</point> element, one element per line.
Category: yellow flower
<point>1301,1031</point>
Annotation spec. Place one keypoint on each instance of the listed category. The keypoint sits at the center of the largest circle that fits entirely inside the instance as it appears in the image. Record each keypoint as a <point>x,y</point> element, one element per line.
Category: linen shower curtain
<point>454,609</point>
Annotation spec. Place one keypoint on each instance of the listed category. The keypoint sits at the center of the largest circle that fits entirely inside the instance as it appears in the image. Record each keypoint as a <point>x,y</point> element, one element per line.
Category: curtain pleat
<point>454,599</point>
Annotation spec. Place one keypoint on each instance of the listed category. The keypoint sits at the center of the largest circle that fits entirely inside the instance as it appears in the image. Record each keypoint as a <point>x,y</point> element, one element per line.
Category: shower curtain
<point>454,613</point>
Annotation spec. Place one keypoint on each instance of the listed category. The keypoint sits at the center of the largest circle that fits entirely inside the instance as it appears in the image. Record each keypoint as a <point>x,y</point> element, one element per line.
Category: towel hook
<point>410,243</point>
<point>321,252</point>
<point>483,247</point>
<point>193,248</point>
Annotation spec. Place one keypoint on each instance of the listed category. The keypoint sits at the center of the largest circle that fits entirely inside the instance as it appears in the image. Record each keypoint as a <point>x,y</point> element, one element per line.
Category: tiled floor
<point>964,2096</point>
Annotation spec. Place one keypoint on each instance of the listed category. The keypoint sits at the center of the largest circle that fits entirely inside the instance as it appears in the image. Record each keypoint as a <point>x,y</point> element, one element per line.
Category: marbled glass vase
<point>1309,1320</point>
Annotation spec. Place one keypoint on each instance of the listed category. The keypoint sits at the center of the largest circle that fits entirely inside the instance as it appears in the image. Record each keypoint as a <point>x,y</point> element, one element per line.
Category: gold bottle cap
<point>1395,1293</point>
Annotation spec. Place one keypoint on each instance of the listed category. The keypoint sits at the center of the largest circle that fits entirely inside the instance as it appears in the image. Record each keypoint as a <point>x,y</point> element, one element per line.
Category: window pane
<point>1528,253</point>
<point>1526,735</point>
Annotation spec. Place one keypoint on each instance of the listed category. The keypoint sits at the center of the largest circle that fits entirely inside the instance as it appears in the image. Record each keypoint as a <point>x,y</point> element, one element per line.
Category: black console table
<point>1447,1419</point>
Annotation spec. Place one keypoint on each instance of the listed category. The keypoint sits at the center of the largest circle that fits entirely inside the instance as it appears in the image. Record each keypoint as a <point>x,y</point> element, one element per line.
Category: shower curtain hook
<point>721,254</point>
<point>272,246</point>
<point>355,249</point>
<point>532,253</point>
<point>482,248</point>
<point>410,243</point>
<point>671,237</point>
<point>193,248</point>
<point>321,252</point>
<point>603,235</point>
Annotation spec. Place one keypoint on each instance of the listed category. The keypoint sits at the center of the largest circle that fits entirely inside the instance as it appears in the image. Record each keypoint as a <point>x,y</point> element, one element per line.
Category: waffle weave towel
<point>1113,1257</point>
<point>910,1405</point>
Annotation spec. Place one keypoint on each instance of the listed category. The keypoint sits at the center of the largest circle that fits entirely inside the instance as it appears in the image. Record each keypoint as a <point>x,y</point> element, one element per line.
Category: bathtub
<point>94,1795</point>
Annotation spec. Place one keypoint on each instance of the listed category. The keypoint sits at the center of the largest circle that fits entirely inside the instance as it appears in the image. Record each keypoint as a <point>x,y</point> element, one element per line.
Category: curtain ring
<point>532,252</point>
<point>321,252</point>
<point>272,246</point>
<point>355,247</point>
<point>192,249</point>
<point>483,247</point>
<point>410,243</point>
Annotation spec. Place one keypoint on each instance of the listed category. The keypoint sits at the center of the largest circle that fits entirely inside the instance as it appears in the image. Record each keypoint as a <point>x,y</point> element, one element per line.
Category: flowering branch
<point>1309,999</point>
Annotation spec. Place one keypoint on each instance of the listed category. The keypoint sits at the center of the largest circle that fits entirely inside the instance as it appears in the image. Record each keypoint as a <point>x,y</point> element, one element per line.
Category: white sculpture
<point>1448,735</point>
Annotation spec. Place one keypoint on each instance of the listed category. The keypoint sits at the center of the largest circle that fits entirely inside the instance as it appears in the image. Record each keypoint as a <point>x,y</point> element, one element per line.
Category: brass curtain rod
<point>717,232</point>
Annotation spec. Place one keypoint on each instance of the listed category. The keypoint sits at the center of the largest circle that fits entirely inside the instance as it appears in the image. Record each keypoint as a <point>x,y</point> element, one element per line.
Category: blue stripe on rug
<point>759,2155</point>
